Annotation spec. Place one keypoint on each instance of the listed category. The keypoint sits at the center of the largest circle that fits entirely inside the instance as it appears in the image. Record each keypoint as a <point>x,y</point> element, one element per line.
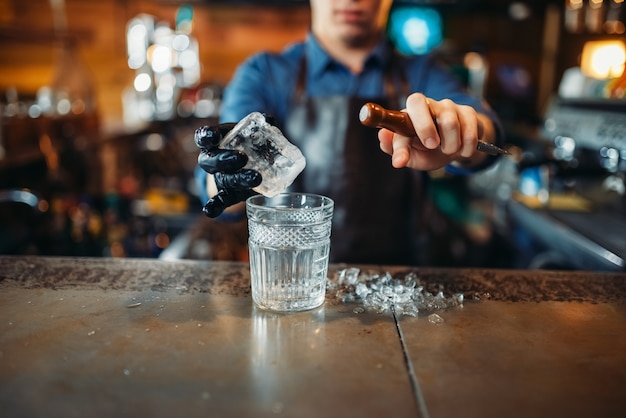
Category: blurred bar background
<point>99,101</point>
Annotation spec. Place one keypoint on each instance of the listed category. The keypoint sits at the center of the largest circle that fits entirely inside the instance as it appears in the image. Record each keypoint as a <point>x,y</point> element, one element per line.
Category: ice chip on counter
<point>435,319</point>
<point>268,151</point>
<point>381,293</point>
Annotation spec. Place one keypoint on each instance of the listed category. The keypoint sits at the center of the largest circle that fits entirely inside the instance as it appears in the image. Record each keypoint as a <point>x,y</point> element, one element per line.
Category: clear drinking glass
<point>289,241</point>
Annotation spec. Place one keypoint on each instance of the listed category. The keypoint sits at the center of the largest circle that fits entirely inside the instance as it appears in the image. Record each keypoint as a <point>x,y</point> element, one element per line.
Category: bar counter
<point>137,337</point>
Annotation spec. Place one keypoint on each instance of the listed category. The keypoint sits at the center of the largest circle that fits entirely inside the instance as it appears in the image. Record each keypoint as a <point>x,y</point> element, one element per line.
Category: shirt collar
<point>318,59</point>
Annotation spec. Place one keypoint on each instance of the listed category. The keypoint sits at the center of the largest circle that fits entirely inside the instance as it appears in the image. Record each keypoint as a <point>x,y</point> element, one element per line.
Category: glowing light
<point>167,79</point>
<point>162,240</point>
<point>575,4</point>
<point>142,82</point>
<point>603,59</point>
<point>188,59</point>
<point>154,142</point>
<point>43,206</point>
<point>474,61</point>
<point>180,42</point>
<point>34,111</point>
<point>519,10</point>
<point>145,109</point>
<point>160,58</point>
<point>138,32</point>
<point>64,106</point>
<point>614,27</point>
<point>78,106</point>
<point>164,92</point>
<point>137,40</point>
<point>415,30</point>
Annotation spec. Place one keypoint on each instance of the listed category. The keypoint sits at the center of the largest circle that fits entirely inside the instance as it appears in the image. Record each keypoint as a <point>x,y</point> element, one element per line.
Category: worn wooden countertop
<point>129,337</point>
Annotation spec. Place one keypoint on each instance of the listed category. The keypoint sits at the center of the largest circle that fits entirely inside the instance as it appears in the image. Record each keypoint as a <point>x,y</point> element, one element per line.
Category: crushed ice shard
<point>382,292</point>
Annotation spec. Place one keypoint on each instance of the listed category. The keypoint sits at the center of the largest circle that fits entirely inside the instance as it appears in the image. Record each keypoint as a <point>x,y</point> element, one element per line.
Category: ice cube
<point>362,290</point>
<point>268,151</point>
<point>435,319</point>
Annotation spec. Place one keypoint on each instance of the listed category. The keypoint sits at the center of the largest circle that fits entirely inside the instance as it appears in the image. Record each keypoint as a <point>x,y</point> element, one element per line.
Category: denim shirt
<point>265,83</point>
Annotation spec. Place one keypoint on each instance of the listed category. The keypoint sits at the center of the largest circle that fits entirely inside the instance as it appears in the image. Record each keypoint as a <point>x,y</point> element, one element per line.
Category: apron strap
<point>300,90</point>
<point>396,83</point>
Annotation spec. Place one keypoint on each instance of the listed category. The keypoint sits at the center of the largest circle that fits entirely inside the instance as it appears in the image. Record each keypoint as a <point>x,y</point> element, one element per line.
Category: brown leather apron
<point>376,205</point>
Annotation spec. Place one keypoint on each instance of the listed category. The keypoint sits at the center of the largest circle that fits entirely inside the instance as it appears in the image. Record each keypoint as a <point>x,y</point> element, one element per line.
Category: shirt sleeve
<point>243,94</point>
<point>200,177</point>
<point>256,86</point>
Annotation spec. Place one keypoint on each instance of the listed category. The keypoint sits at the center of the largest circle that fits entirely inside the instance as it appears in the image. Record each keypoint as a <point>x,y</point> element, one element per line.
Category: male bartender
<point>313,91</point>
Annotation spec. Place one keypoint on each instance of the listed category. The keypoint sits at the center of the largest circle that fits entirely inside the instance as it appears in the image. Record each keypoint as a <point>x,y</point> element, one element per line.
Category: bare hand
<point>445,132</point>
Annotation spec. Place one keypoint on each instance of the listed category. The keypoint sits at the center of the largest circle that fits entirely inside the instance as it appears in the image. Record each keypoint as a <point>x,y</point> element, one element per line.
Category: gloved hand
<point>233,183</point>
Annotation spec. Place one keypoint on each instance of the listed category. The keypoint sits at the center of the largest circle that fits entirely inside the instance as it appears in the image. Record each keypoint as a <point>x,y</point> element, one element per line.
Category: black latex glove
<point>234,184</point>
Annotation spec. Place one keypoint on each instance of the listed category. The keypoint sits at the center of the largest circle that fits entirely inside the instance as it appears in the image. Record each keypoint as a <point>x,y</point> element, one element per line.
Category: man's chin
<point>356,38</point>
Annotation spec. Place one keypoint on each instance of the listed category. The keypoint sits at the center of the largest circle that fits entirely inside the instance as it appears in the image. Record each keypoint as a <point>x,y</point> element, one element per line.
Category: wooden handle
<point>376,116</point>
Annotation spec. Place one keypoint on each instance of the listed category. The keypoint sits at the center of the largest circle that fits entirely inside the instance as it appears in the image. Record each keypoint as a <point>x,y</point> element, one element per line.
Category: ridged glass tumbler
<point>289,244</point>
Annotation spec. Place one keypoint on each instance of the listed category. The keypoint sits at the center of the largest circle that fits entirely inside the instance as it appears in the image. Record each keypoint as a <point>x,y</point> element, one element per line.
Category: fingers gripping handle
<point>375,116</point>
